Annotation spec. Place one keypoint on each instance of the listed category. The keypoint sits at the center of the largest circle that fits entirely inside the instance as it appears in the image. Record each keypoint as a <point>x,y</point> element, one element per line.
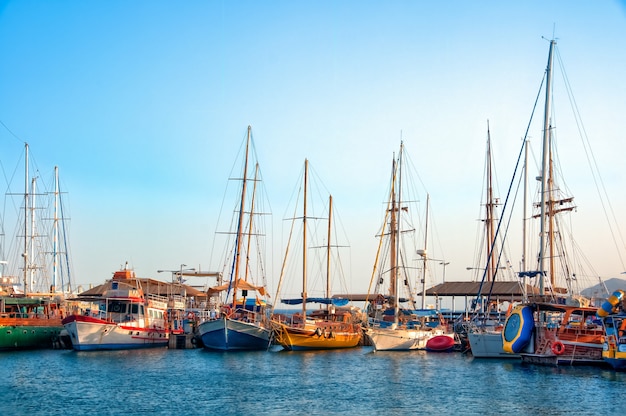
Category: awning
<point>325,301</point>
<point>241,285</point>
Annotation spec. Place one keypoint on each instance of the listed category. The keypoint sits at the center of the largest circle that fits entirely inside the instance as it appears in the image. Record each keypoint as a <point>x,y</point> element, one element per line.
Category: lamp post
<point>444,264</point>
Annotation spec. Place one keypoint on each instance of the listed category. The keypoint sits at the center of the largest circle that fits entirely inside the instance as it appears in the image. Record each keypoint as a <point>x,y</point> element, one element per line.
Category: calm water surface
<point>355,381</point>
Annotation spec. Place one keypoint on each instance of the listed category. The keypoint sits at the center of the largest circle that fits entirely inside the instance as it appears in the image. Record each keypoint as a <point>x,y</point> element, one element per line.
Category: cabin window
<point>134,308</point>
<point>117,307</point>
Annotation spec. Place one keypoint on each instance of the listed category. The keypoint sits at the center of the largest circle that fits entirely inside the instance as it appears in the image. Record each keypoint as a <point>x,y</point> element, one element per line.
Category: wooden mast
<point>425,256</point>
<point>256,174</point>
<point>393,229</point>
<point>304,245</point>
<point>330,218</point>
<point>545,168</point>
<point>489,215</point>
<point>240,224</point>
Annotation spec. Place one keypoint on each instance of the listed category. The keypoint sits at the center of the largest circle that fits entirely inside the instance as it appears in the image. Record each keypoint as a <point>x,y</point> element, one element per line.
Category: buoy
<point>558,348</point>
<point>609,305</point>
<point>440,343</point>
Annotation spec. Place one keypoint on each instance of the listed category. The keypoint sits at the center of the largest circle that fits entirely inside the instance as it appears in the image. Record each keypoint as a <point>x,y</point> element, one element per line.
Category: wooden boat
<point>564,330</point>
<point>613,315</point>
<point>332,327</point>
<point>391,327</point>
<point>560,335</point>
<point>31,313</point>
<point>122,318</point>
<point>30,323</point>
<point>240,323</point>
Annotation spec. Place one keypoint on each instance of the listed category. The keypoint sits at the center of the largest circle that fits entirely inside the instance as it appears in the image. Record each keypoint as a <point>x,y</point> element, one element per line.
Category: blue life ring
<point>518,329</point>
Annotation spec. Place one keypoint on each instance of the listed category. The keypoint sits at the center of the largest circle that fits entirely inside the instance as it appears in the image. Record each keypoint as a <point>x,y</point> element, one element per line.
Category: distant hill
<point>598,291</point>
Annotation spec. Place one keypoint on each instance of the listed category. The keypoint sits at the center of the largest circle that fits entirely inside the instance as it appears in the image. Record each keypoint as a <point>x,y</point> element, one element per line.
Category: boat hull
<point>225,334</point>
<point>322,336</point>
<point>29,333</point>
<point>91,334</point>
<point>488,344</point>
<point>400,339</point>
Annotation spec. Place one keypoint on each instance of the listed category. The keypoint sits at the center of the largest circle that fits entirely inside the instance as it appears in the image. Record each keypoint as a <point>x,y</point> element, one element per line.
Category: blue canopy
<point>325,301</point>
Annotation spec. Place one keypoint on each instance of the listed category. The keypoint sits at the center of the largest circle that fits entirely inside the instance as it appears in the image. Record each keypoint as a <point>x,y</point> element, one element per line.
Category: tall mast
<point>489,215</point>
<point>33,233</point>
<point>250,228</point>
<point>545,167</point>
<point>55,231</point>
<point>330,218</point>
<point>304,246</point>
<point>393,235</point>
<point>425,257</point>
<point>524,217</point>
<point>241,216</point>
<point>26,199</point>
<point>396,239</point>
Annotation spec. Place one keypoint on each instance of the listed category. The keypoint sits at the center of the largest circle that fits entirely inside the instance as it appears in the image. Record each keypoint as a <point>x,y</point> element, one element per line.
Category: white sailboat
<point>392,327</point>
<point>484,332</point>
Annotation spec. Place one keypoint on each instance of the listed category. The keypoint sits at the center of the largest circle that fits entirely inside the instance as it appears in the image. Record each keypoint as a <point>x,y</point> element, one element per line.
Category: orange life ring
<point>191,316</point>
<point>558,348</point>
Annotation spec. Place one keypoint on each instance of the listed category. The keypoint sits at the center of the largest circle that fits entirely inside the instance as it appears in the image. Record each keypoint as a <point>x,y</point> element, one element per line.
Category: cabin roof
<point>149,286</point>
<point>498,288</point>
<point>511,288</point>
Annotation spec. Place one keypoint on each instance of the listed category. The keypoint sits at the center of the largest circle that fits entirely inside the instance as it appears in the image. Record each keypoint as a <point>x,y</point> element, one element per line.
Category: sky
<point>143,107</point>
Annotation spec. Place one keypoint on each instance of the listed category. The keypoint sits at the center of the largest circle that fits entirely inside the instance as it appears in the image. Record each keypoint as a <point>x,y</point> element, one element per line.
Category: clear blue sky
<point>143,106</point>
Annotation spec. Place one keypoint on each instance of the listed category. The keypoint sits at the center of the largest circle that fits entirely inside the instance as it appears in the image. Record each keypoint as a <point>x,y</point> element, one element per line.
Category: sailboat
<point>484,332</point>
<point>392,327</point>
<point>334,326</point>
<point>556,326</point>
<point>31,318</point>
<point>241,322</point>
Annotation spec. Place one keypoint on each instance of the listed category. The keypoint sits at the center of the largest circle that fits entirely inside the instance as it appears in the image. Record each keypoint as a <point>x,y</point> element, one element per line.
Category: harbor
<point>312,208</point>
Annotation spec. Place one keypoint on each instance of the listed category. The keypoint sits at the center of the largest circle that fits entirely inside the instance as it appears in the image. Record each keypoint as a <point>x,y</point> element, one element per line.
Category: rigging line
<point>591,160</point>
<point>11,132</point>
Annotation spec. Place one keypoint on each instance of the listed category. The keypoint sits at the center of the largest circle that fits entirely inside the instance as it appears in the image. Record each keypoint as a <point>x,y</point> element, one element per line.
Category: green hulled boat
<point>30,323</point>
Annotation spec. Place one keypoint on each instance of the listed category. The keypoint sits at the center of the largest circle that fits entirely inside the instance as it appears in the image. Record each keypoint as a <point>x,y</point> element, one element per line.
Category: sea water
<point>353,382</point>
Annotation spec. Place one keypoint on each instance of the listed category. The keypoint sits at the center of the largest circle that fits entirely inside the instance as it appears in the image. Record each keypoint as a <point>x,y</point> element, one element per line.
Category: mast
<point>330,215</point>
<point>26,199</point>
<point>393,235</point>
<point>425,257</point>
<point>489,214</point>
<point>241,217</point>
<point>304,246</point>
<point>545,167</point>
<point>55,231</point>
<point>256,174</point>
<point>33,232</point>
<point>524,217</point>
